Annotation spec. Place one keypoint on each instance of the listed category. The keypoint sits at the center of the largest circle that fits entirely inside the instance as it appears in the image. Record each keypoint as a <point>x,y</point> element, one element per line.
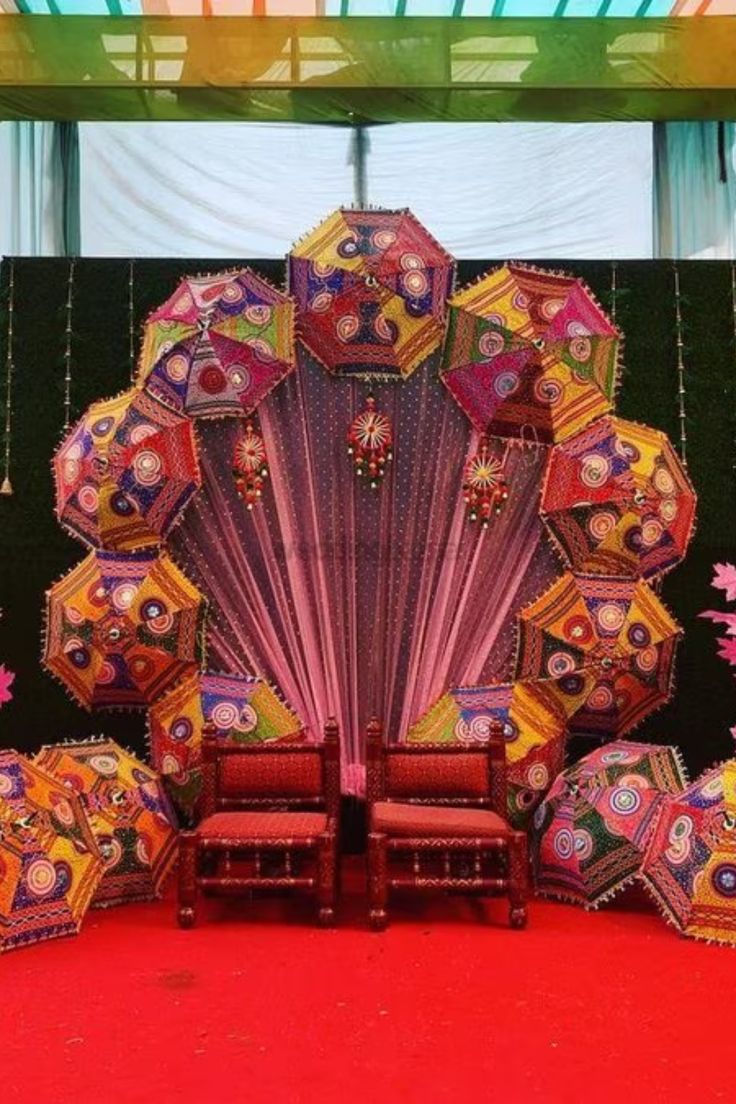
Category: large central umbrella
<point>371,288</point>
<point>533,723</point>
<point>125,473</point>
<point>219,344</point>
<point>530,350</point>
<point>128,811</point>
<point>49,862</point>
<point>618,501</point>
<point>122,628</point>
<point>592,828</point>
<point>614,632</point>
<point>690,865</point>
<point>242,708</point>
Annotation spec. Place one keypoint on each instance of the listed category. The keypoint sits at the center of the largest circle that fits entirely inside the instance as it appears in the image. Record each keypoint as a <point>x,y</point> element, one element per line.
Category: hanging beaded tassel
<point>484,484</point>
<point>68,346</point>
<point>370,438</point>
<point>6,488</point>
<point>250,466</point>
<point>131,322</point>
<point>680,370</point>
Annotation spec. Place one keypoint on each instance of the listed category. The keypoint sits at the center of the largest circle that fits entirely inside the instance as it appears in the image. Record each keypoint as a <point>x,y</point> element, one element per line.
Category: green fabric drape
<point>366,70</point>
<point>695,190</point>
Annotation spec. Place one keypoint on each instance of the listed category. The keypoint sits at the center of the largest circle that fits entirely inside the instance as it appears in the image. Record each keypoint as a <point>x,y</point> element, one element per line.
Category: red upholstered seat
<point>397,819</point>
<point>265,826</point>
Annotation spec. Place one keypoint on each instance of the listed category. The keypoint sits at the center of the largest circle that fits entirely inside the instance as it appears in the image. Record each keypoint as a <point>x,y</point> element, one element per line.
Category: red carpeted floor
<point>447,1005</point>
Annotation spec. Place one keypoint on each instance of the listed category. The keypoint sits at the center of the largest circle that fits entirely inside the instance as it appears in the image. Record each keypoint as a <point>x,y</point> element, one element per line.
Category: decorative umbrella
<point>219,344</point>
<point>533,723</point>
<point>122,628</point>
<point>593,826</point>
<point>241,707</point>
<point>128,811</point>
<point>371,289</point>
<point>49,862</point>
<point>530,348</point>
<point>690,865</point>
<point>614,632</point>
<point>618,501</point>
<point>126,472</point>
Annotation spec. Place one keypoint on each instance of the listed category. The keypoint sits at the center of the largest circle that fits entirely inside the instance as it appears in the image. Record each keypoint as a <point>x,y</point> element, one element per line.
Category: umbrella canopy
<point>125,473</point>
<point>128,811</point>
<point>690,865</point>
<point>50,865</point>
<point>592,828</point>
<point>219,344</point>
<point>122,628</point>
<point>241,707</point>
<point>533,724</point>
<point>371,289</point>
<point>609,646</point>
<point>618,501</point>
<point>530,349</point>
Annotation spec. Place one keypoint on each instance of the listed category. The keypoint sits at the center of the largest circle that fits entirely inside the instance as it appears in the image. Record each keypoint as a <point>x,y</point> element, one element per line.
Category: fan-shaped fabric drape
<point>354,601</point>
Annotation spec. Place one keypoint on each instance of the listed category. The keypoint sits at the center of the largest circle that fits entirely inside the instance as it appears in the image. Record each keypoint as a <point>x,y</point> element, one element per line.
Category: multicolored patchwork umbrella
<point>219,344</point>
<point>618,501</point>
<point>615,633</point>
<point>50,865</point>
<point>592,828</point>
<point>241,707</point>
<point>371,289</point>
<point>126,472</point>
<point>128,811</point>
<point>690,865</point>
<point>530,349</point>
<point>533,723</point>
<point>122,628</point>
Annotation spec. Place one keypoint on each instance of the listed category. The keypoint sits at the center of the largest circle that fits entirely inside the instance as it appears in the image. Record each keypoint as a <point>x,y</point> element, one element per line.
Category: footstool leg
<point>187,911</point>
<point>326,874</point>
<point>377,888</point>
<point>518,879</point>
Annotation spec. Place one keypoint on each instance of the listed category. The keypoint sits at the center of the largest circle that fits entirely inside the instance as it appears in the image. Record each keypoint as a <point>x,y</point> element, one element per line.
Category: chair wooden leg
<point>187,910</point>
<point>377,887</point>
<point>518,879</point>
<point>326,879</point>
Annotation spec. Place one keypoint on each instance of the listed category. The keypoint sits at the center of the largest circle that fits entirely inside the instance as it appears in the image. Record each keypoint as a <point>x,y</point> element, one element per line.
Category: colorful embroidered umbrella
<point>126,472</point>
<point>690,865</point>
<point>592,828</point>
<point>533,723</point>
<point>527,348</point>
<point>371,289</point>
<point>618,501</point>
<point>128,811</point>
<point>219,344</point>
<point>49,862</point>
<point>615,633</point>
<point>122,628</point>
<point>241,707</point>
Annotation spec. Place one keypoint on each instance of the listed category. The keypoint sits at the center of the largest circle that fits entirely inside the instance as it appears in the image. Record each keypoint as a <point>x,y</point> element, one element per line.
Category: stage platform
<point>257,1004</point>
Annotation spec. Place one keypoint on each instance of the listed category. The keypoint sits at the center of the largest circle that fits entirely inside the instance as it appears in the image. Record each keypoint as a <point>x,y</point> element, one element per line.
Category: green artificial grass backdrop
<point>34,550</point>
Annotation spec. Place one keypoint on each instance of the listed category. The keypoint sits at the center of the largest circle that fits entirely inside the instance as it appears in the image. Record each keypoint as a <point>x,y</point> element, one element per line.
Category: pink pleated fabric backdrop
<point>357,602</point>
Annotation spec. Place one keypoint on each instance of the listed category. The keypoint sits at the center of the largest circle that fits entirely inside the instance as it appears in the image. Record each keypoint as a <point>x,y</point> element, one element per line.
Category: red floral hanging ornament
<point>250,466</point>
<point>369,442</point>
<point>484,484</point>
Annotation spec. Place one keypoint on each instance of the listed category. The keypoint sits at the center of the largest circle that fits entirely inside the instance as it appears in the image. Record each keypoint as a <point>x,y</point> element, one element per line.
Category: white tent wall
<point>503,189</point>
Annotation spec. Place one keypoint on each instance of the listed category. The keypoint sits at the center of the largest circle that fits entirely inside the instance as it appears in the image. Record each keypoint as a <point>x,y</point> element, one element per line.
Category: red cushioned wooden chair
<point>269,821</point>
<point>437,820</point>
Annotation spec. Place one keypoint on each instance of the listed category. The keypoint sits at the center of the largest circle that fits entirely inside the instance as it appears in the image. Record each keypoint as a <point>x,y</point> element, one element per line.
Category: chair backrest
<point>263,776</point>
<point>437,774</point>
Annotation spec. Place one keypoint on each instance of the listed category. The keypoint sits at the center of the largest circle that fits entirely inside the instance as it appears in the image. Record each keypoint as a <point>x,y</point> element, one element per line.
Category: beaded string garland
<point>6,488</point>
<point>680,369</point>
<point>68,345</point>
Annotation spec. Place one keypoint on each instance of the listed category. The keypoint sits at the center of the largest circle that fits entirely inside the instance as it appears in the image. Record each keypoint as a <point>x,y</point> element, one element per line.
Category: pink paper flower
<point>6,681</point>
<point>725,579</point>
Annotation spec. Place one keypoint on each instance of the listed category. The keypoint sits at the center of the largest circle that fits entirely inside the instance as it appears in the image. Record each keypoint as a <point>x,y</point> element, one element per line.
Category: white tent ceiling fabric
<point>487,189</point>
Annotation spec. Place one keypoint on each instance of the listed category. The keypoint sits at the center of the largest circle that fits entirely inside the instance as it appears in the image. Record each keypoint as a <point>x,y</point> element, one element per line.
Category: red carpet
<point>258,1005</point>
